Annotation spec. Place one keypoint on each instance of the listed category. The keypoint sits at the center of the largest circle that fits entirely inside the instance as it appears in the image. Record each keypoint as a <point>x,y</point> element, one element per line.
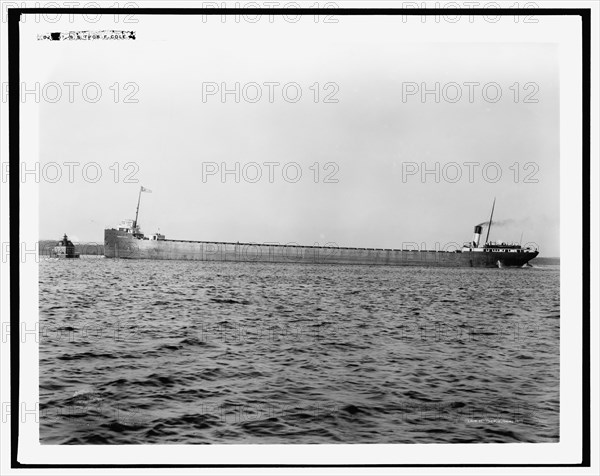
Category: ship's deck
<point>304,246</point>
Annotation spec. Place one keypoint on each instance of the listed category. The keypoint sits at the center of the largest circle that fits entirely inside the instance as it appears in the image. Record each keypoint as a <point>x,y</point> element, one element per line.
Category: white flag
<point>146,190</point>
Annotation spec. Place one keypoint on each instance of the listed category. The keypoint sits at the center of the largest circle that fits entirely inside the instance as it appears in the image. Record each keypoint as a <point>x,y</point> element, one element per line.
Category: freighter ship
<point>127,241</point>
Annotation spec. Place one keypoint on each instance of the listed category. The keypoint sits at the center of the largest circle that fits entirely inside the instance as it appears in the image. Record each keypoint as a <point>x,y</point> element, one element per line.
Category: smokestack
<point>476,235</point>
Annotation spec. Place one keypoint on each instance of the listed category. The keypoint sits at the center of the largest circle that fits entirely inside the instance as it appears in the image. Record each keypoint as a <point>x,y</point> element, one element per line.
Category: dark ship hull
<point>122,244</point>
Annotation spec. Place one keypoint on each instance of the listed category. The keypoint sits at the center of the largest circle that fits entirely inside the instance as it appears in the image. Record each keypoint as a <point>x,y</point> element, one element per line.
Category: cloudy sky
<point>376,138</point>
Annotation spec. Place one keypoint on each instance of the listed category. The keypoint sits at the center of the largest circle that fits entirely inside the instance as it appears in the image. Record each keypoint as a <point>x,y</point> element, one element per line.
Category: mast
<point>490,223</point>
<point>137,209</point>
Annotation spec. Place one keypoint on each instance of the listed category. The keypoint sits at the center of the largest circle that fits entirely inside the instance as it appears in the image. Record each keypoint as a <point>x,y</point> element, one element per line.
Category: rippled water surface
<point>141,352</point>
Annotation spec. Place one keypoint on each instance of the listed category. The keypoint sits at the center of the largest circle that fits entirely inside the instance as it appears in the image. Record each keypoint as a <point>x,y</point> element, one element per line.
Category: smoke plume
<point>508,221</point>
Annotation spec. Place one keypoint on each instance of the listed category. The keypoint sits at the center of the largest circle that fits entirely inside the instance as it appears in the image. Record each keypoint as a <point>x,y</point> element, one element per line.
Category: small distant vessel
<point>127,241</point>
<point>64,249</point>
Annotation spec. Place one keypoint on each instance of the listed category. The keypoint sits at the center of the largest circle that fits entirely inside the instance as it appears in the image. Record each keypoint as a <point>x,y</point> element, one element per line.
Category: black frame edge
<point>14,15</point>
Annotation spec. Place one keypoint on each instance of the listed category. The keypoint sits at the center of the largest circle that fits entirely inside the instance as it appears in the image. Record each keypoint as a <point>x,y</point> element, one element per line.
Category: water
<point>157,352</point>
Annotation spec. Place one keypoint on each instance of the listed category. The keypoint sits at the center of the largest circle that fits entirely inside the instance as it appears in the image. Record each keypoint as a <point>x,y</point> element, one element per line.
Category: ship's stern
<point>119,244</point>
<point>110,243</point>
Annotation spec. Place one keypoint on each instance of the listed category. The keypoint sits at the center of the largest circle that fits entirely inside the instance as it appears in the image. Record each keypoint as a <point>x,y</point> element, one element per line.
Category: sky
<point>376,139</point>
